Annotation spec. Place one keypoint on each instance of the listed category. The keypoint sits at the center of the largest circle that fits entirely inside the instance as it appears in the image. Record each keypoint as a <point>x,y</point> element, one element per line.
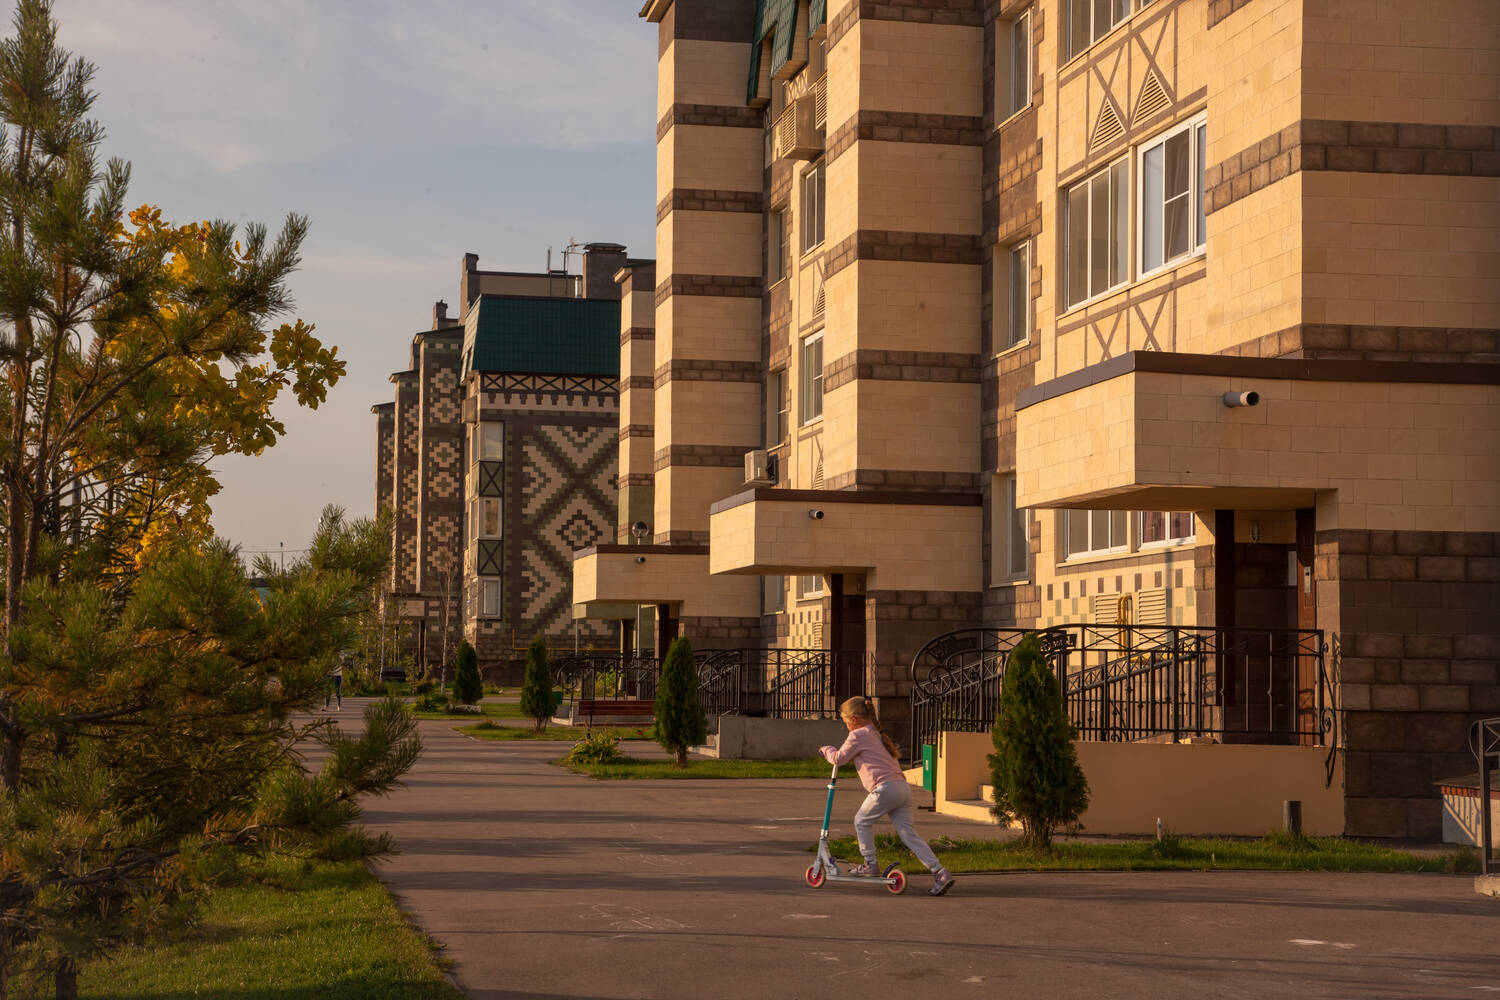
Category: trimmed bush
<point>1034,768</point>
<point>536,689</point>
<point>595,748</point>
<point>680,721</point>
<point>467,687</point>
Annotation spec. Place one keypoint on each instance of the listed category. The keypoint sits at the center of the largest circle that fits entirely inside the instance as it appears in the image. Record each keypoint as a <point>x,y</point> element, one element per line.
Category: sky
<point>408,134</point>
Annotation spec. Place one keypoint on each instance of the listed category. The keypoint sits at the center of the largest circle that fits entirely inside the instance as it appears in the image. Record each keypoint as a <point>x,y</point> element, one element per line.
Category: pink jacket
<point>871,759</point>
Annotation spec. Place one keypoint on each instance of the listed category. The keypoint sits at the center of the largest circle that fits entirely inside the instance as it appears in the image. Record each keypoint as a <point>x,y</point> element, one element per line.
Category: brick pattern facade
<point>1218,10</point>
<point>716,115</point>
<point>701,370</point>
<point>696,200</point>
<point>969,13</point>
<point>898,126</point>
<point>915,248</point>
<point>721,285</point>
<point>1355,147</point>
<point>719,456</point>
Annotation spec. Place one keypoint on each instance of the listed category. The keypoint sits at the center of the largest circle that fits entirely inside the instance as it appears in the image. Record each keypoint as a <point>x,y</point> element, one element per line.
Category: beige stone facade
<point>982,279</point>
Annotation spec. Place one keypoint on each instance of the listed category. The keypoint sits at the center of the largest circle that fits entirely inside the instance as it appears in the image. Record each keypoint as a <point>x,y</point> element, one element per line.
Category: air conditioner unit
<point>760,468</point>
<point>797,136</point>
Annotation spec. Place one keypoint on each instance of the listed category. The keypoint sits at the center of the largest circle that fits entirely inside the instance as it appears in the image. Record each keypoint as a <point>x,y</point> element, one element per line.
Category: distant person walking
<point>874,757</point>
<point>335,692</point>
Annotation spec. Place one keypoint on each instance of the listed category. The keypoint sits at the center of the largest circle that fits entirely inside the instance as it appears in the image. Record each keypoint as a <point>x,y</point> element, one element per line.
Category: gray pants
<point>892,798</point>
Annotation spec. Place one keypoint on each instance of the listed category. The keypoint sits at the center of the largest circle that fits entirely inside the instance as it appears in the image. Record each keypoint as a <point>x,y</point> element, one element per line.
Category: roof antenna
<point>573,249</point>
<point>549,260</point>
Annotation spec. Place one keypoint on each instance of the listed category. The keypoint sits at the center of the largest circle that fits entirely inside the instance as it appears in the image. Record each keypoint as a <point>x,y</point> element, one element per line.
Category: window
<point>1012,295</point>
<point>773,590</point>
<point>484,518</point>
<point>1088,532</point>
<point>1010,532</point>
<point>809,587</point>
<point>1171,192</point>
<point>1013,66</point>
<point>1166,527</point>
<point>812,378</point>
<point>775,268</point>
<point>1096,234</point>
<point>776,402</point>
<point>489,598</point>
<point>489,441</point>
<point>1091,20</point>
<point>812,207</point>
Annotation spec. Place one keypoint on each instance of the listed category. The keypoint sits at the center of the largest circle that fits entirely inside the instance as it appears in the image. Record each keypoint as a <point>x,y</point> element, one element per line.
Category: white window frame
<point>1096,31</point>
<point>478,508</point>
<point>814,200</point>
<point>489,597</point>
<point>1119,215</point>
<point>810,371</point>
<point>488,433</point>
<point>1197,130</point>
<point>1006,568</point>
<point>777,425</point>
<point>1169,540</point>
<point>1093,549</point>
<point>811,587</point>
<point>1011,99</point>
<point>1013,299</point>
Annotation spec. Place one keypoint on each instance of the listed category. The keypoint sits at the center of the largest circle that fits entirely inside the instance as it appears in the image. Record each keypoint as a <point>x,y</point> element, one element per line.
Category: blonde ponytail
<point>862,710</point>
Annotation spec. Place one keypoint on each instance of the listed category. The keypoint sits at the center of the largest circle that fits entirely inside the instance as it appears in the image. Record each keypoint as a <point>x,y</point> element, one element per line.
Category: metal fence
<point>1140,683</point>
<point>780,683</point>
<point>606,677</point>
<point>1484,740</point>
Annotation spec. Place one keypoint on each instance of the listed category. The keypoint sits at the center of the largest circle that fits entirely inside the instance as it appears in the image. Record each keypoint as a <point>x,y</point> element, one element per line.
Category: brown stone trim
<point>1227,366</point>
<point>717,115</point>
<point>720,21</point>
<point>732,286</point>
<point>902,126</point>
<point>903,481</point>
<point>1331,342</point>
<point>654,549</point>
<point>681,538</point>
<point>765,494</point>
<point>1218,10</point>
<point>635,479</point>
<point>640,382</point>
<point>708,200</point>
<point>900,366</point>
<point>718,456</point>
<point>969,13</point>
<point>915,248</point>
<point>701,370</point>
<point>1353,147</point>
<point>637,333</point>
<point>637,431</point>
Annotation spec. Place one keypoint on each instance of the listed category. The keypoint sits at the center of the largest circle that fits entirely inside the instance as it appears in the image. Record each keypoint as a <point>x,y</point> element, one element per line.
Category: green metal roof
<point>544,336</point>
<point>779,16</point>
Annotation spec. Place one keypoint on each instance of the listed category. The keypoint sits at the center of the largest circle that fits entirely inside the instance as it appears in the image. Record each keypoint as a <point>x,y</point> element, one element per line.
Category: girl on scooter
<point>874,757</point>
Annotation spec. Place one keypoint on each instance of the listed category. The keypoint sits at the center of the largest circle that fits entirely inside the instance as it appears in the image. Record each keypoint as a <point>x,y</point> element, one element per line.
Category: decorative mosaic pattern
<point>443,404</point>
<point>566,503</point>
<point>444,477</point>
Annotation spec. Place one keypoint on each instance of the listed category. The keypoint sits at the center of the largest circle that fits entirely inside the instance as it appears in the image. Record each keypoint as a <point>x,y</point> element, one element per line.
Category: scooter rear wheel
<point>897,883</point>
<point>814,876</point>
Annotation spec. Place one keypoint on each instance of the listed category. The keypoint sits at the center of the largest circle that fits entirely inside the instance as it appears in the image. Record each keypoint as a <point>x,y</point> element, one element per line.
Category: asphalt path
<point>543,883</point>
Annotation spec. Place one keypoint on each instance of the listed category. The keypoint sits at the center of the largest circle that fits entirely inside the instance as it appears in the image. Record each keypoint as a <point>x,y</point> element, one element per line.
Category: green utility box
<point>557,697</point>
<point>929,767</point>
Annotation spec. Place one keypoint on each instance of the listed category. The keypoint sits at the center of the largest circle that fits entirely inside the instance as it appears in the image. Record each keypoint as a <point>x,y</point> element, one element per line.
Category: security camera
<point>1251,398</point>
<point>816,514</point>
<point>640,559</point>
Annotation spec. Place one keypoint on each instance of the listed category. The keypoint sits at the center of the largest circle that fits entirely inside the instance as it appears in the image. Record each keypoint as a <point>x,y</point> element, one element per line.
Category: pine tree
<point>1034,769</point>
<point>680,720</point>
<point>536,687</point>
<point>468,688</point>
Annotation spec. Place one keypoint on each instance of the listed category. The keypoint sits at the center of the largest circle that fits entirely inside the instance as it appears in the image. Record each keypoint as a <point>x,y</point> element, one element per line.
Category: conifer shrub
<point>680,720</point>
<point>467,686</point>
<point>1034,768</point>
<point>536,688</point>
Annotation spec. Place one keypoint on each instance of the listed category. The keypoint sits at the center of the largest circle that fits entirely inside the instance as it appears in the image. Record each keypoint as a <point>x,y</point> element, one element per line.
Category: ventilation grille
<point>820,102</point>
<point>1153,99</point>
<point>817,482</point>
<point>1108,128</point>
<point>1151,607</point>
<point>820,297</point>
<point>1110,609</point>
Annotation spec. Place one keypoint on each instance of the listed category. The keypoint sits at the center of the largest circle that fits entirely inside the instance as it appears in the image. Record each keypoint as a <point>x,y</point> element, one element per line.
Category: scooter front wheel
<point>814,876</point>
<point>897,883</point>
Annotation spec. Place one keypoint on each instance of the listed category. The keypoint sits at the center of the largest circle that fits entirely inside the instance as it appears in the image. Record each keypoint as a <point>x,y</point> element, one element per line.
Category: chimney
<point>440,320</point>
<point>468,283</point>
<point>600,262</point>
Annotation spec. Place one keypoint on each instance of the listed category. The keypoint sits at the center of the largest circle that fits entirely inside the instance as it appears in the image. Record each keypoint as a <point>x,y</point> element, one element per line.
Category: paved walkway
<point>542,883</point>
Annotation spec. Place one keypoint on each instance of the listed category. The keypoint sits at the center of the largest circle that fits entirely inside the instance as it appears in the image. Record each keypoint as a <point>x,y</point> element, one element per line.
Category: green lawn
<point>330,933</point>
<point>699,767</point>
<point>570,734</point>
<point>1275,852</point>
<point>488,710</point>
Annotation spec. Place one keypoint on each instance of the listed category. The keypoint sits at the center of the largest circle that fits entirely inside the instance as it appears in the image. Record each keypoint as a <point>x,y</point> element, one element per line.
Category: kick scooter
<point>825,868</point>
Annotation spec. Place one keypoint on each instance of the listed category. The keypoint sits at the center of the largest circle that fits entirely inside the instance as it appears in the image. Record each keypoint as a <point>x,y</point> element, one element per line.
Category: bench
<point>627,711</point>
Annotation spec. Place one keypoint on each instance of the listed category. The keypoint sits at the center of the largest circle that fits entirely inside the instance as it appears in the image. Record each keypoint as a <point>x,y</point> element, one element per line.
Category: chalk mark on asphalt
<point>630,918</point>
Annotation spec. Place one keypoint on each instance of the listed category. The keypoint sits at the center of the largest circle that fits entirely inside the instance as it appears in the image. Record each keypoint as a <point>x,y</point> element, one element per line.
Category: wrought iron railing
<point>1141,683</point>
<point>780,683</point>
<point>606,677</point>
<point>1484,741</point>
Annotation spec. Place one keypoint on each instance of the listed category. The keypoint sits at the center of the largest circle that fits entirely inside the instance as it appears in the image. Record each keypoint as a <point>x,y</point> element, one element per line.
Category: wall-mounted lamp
<point>639,530</point>
<point>816,514</point>
<point>1250,398</point>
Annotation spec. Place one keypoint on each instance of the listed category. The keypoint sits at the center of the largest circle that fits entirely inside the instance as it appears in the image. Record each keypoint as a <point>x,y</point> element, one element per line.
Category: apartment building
<point>497,456</point>
<point>1083,312</point>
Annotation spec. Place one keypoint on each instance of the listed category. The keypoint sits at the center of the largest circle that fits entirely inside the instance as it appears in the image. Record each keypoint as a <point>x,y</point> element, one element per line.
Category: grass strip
<point>327,931</point>
<point>1274,852</point>
<point>700,767</point>
<point>571,734</point>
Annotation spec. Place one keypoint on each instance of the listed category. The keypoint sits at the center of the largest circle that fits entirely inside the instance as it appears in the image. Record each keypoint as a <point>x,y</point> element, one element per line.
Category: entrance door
<point>1307,618</point>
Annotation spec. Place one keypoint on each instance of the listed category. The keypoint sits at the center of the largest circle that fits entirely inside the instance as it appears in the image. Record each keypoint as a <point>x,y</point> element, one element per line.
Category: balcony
<point>609,581</point>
